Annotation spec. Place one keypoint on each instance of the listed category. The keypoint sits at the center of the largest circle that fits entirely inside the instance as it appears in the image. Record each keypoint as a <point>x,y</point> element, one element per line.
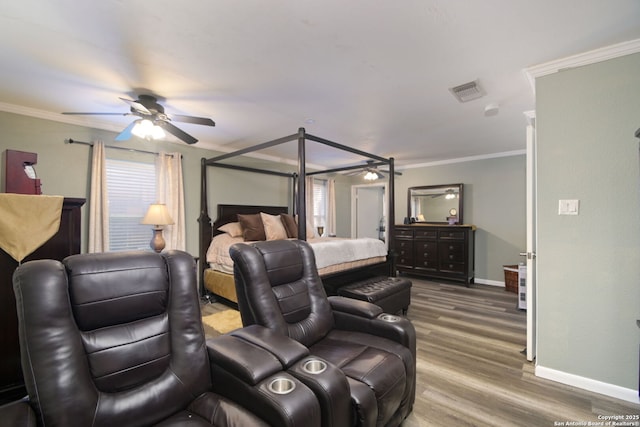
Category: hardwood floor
<point>471,370</point>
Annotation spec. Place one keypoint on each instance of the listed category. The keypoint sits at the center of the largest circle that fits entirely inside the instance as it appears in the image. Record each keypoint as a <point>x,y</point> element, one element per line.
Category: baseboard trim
<point>488,282</point>
<point>589,384</point>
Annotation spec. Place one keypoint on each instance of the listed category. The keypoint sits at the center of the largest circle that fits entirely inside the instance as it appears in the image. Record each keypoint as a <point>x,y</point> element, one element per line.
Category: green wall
<point>64,169</point>
<point>494,201</point>
<point>589,265</point>
<point>494,188</point>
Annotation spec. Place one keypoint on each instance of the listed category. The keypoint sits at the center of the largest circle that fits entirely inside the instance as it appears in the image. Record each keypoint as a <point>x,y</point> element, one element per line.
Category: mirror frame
<point>435,187</point>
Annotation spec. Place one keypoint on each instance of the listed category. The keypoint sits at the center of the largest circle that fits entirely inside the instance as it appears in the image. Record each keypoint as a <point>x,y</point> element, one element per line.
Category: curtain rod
<point>115,147</point>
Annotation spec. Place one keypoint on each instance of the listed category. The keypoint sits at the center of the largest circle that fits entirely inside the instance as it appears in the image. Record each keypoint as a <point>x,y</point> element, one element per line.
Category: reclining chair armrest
<point>253,378</point>
<point>288,351</point>
<point>328,382</point>
<point>248,362</point>
<point>355,315</point>
<point>18,414</point>
<point>356,307</point>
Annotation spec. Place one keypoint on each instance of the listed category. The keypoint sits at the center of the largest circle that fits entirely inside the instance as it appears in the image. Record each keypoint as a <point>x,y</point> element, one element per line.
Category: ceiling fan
<point>370,171</point>
<point>153,120</point>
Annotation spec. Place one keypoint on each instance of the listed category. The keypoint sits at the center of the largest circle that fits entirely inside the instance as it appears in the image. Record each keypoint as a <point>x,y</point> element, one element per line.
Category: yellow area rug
<point>223,321</point>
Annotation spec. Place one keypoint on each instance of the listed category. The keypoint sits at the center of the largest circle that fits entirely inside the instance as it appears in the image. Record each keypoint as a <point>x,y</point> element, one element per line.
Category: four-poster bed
<point>220,283</point>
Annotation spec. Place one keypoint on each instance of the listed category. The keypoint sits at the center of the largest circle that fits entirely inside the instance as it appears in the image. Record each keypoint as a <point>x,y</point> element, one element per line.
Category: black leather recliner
<point>278,287</point>
<point>116,339</point>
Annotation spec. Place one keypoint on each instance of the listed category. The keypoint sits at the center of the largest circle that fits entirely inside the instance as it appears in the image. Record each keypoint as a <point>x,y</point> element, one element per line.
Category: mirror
<point>439,204</point>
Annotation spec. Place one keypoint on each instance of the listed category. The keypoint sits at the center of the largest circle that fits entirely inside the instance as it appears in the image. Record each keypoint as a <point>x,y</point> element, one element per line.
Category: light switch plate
<point>568,207</point>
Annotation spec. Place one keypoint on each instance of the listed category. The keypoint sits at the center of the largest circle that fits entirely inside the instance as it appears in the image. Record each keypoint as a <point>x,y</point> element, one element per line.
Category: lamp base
<point>157,241</point>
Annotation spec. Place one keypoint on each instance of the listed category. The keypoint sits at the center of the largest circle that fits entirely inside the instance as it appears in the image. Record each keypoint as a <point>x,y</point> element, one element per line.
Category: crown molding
<point>463,159</point>
<point>581,59</point>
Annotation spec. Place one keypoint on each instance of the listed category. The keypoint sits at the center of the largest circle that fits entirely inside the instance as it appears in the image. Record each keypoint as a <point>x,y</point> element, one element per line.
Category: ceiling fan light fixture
<point>146,129</point>
<point>370,176</point>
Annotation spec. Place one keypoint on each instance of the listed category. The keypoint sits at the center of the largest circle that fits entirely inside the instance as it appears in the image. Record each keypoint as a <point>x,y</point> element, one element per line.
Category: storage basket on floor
<point>511,278</point>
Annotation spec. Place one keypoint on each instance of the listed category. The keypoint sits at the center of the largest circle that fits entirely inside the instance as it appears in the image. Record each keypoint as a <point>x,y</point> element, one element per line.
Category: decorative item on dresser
<point>63,243</point>
<point>436,251</point>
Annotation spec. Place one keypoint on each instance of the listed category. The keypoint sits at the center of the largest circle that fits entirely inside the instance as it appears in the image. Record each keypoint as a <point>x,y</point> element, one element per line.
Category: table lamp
<point>157,215</point>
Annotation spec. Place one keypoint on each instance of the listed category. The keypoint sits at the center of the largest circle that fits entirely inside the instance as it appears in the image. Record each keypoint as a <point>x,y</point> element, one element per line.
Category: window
<point>131,188</point>
<point>320,202</point>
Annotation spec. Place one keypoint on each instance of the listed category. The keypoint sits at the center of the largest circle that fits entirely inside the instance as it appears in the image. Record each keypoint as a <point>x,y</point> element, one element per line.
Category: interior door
<point>531,289</point>
<point>369,210</point>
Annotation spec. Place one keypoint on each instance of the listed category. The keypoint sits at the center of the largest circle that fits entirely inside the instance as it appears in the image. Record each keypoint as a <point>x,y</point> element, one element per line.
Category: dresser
<point>65,242</point>
<point>436,251</point>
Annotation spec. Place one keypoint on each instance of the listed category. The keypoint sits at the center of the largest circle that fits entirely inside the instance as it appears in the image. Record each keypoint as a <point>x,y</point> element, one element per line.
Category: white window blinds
<point>320,202</point>
<point>131,188</point>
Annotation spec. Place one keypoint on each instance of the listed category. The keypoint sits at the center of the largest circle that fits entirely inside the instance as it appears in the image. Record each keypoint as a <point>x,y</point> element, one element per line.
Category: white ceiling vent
<point>468,91</point>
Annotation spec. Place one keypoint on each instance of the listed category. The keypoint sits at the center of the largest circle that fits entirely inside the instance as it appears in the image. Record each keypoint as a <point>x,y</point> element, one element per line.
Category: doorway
<point>368,211</point>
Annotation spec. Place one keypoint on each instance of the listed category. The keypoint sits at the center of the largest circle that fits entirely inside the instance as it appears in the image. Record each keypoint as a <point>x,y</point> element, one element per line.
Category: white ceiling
<point>372,74</point>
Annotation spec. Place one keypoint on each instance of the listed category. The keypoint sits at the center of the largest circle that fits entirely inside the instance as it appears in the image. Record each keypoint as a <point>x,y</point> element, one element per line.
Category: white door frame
<point>532,236</point>
<point>385,207</point>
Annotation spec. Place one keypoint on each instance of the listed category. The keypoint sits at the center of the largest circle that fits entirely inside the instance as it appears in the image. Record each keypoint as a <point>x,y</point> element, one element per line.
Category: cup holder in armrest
<point>314,366</point>
<point>389,317</point>
<point>281,385</point>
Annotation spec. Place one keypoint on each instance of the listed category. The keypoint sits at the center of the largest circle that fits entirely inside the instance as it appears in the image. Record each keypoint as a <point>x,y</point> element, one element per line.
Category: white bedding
<point>328,251</point>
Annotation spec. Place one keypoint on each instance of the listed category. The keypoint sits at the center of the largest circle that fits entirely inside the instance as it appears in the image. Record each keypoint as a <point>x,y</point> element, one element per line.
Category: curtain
<point>170,191</point>
<point>98,202</point>
<point>331,207</point>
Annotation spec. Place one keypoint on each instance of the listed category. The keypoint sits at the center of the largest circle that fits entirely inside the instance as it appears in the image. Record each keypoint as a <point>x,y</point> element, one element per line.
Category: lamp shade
<point>157,215</point>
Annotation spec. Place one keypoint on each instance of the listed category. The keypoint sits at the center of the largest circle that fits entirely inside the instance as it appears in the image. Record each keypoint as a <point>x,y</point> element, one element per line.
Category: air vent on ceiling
<point>468,91</point>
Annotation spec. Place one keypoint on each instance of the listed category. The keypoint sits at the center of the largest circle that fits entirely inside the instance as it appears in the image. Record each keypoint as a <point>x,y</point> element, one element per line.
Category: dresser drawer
<point>425,250</point>
<point>403,244</point>
<point>453,267</point>
<point>404,259</point>
<point>451,252</point>
<point>426,234</point>
<point>426,264</point>
<point>451,234</point>
<point>404,232</point>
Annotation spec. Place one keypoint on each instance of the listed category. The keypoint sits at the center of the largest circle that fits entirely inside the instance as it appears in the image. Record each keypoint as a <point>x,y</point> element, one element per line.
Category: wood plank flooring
<point>471,369</point>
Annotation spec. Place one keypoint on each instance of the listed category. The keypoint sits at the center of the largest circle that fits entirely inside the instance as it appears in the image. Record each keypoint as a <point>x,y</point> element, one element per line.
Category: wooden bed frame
<point>228,213</point>
<point>331,282</point>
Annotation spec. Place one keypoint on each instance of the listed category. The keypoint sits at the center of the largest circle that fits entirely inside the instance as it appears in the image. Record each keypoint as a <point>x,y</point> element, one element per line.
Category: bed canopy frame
<point>298,183</point>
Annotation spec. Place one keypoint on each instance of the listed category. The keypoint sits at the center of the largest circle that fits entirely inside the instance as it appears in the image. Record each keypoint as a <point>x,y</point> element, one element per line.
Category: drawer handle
<point>451,266</point>
<point>450,246</point>
<point>450,256</point>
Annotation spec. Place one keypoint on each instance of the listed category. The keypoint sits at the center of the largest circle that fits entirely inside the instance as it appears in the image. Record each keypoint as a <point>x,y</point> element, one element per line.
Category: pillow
<point>289,225</point>
<point>252,228</point>
<point>233,229</point>
<point>273,228</point>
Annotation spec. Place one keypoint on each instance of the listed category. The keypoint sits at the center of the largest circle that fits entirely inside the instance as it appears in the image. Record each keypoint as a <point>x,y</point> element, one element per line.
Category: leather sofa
<point>279,288</point>
<point>116,339</point>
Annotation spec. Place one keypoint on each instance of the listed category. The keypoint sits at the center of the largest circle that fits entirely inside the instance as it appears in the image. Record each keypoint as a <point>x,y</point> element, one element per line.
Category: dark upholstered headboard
<point>229,213</point>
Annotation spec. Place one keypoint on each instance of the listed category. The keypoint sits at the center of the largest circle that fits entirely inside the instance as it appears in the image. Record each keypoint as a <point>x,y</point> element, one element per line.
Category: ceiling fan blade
<point>395,172</point>
<point>179,133</point>
<point>94,114</point>
<point>126,133</point>
<point>190,119</point>
<point>137,106</point>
